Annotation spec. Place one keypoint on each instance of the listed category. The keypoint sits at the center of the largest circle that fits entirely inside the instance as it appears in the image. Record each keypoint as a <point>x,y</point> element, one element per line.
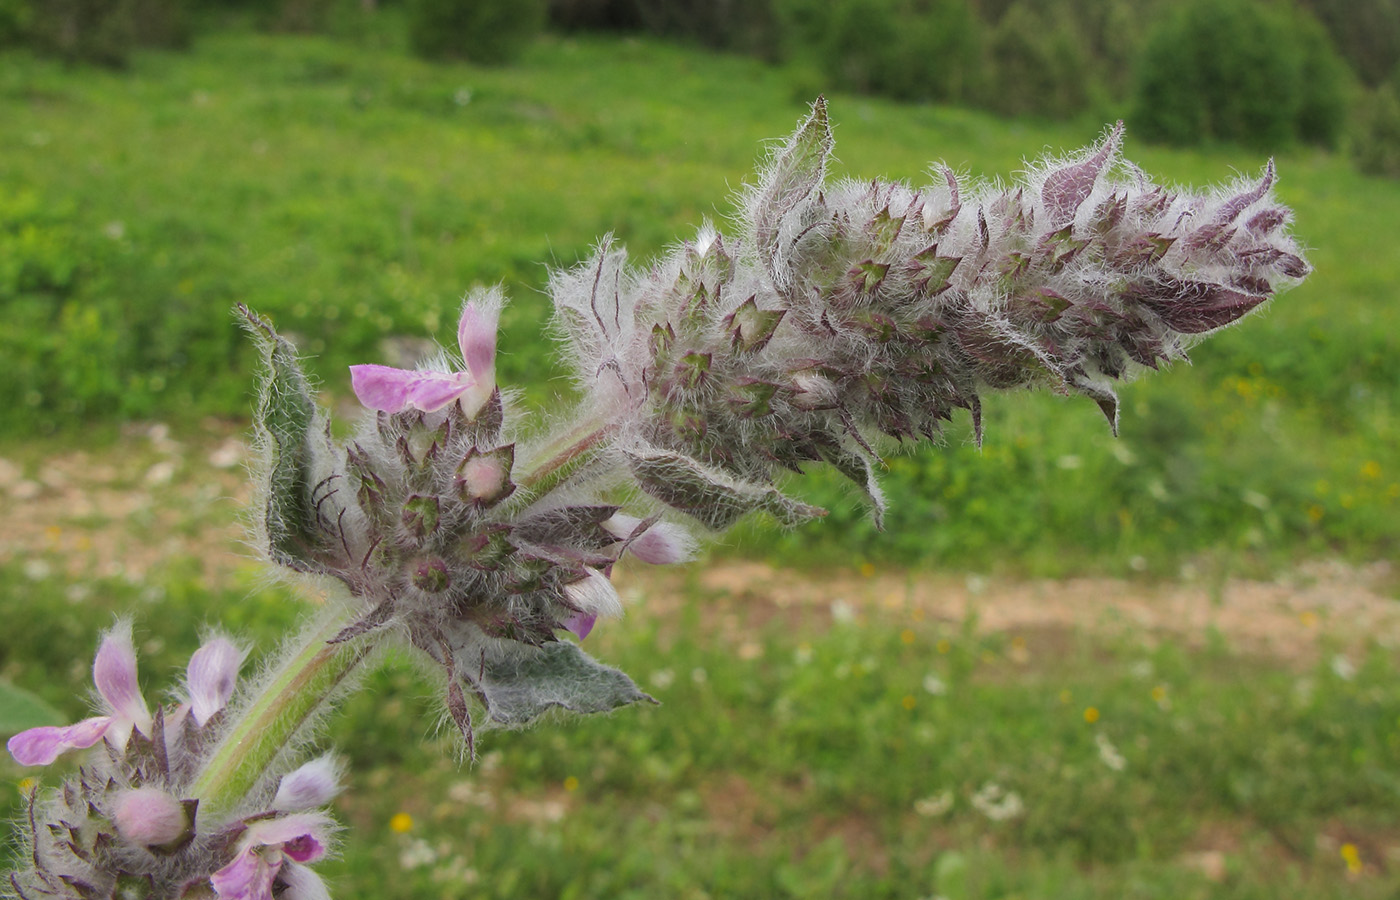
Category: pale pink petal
<point>594,594</point>
<point>41,746</point>
<point>431,391</point>
<point>248,877</point>
<point>114,672</point>
<point>395,390</point>
<point>212,676</point>
<point>580,624</point>
<point>476,336</point>
<point>302,884</point>
<point>381,387</point>
<point>661,544</point>
<point>302,836</point>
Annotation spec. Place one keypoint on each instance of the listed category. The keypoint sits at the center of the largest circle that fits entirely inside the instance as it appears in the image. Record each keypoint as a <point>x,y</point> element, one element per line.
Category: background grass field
<point>835,749</point>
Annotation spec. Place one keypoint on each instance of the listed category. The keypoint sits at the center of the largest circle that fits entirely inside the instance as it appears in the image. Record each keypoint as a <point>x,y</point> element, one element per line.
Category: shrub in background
<point>15,16</point>
<point>907,49</point>
<point>1365,32</point>
<point>1376,145</point>
<point>1238,70</point>
<point>1040,63</point>
<point>483,31</point>
<point>106,31</point>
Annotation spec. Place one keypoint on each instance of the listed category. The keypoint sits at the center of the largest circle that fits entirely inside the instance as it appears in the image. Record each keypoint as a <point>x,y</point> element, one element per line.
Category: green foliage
<point>15,18</point>
<point>1365,32</point>
<point>1238,70</point>
<point>843,761</point>
<point>747,26</point>
<point>1376,140</point>
<point>107,32</point>
<point>1041,63</point>
<point>826,758</point>
<point>909,49</point>
<point>21,710</point>
<point>484,31</point>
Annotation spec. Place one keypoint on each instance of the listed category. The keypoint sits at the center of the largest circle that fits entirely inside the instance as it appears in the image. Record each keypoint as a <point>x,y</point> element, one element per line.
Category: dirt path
<point>152,498</point>
<point>1321,606</point>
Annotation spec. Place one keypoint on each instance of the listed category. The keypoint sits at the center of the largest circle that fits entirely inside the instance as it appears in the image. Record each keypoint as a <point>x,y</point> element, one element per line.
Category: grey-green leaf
<point>716,499</point>
<point>294,437</point>
<point>520,689</point>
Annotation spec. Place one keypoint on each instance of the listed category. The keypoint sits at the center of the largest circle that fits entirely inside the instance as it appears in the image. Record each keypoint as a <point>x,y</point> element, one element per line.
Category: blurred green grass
<point>860,752</point>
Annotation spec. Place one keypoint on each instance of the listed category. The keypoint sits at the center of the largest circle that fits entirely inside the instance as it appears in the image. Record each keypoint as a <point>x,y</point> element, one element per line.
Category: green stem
<point>305,685</point>
<point>562,457</point>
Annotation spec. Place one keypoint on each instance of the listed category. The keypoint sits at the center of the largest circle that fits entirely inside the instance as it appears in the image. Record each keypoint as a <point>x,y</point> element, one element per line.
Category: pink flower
<point>114,673</point>
<point>211,677</point>
<point>395,390</point>
<point>592,596</point>
<point>659,544</point>
<point>263,849</point>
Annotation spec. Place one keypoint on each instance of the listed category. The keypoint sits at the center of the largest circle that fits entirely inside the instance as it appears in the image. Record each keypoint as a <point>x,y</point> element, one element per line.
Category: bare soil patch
<point>152,498</point>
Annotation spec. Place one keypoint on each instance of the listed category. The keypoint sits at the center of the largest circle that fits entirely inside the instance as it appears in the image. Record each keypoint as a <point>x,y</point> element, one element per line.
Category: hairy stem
<point>562,457</point>
<point>302,688</point>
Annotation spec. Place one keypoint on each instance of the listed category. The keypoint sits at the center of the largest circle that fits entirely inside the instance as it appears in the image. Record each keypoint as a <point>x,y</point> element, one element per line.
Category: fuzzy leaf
<point>1066,189</point>
<point>752,328</point>
<point>520,689</point>
<point>1193,307</point>
<point>931,272</point>
<point>714,498</point>
<point>795,172</point>
<point>857,467</point>
<point>297,444</point>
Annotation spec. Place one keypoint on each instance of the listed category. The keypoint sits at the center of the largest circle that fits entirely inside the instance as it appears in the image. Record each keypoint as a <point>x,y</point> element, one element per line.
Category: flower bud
<point>661,544</point>
<point>312,785</point>
<point>430,576</point>
<point>484,478</point>
<point>594,595</point>
<point>420,515</point>
<point>813,391</point>
<point>149,817</point>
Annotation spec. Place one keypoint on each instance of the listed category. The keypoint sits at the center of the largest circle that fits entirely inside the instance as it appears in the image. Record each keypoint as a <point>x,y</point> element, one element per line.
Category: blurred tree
<point>1041,63</point>
<point>1239,70</point>
<point>106,31</point>
<point>1376,145</point>
<point>484,31</point>
<point>908,49</point>
<point>1365,32</point>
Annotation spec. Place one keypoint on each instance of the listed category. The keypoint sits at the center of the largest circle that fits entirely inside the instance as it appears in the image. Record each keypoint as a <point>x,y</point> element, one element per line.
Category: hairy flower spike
<point>858,309</point>
<point>127,818</point>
